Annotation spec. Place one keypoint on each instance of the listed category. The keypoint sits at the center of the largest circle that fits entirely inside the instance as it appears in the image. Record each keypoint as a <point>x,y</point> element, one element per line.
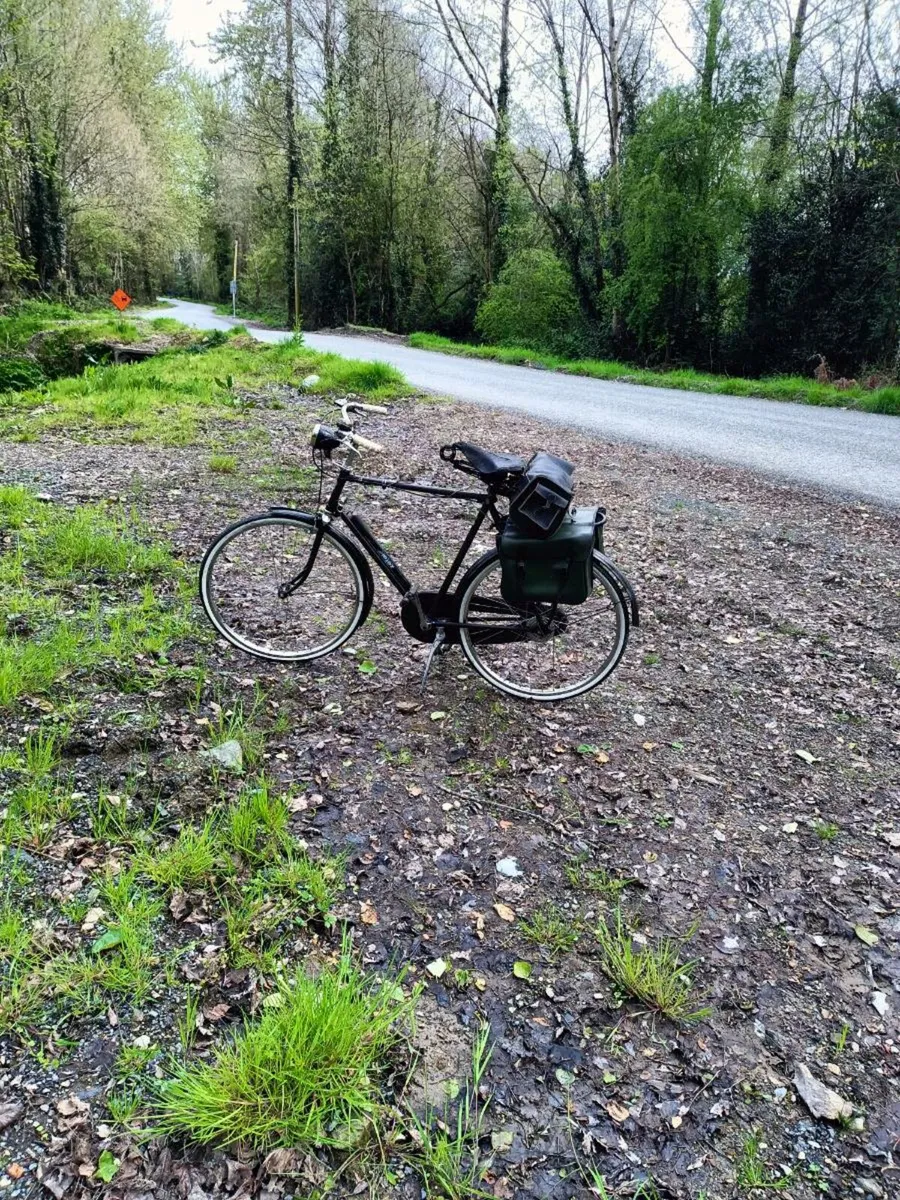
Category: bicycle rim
<point>243,571</point>
<point>542,652</point>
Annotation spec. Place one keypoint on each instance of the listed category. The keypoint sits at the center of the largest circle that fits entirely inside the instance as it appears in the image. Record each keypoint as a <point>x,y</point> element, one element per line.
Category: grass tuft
<point>306,1074</point>
<point>652,974</point>
<point>555,931</point>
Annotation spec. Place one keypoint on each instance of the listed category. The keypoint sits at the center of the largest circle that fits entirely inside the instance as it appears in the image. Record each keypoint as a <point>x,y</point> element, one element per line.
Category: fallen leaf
<point>70,1105</point>
<point>367,913</point>
<point>866,935</point>
<point>618,1112</point>
<point>504,912</point>
<point>15,1171</point>
<point>217,1012</point>
<point>806,756</point>
<point>820,1100</point>
<point>437,968</point>
<point>566,1078</point>
<point>407,706</point>
<point>106,941</point>
<point>10,1113</point>
<point>522,970</point>
<point>107,1166</point>
<point>281,1162</point>
<point>880,1003</point>
<point>92,918</point>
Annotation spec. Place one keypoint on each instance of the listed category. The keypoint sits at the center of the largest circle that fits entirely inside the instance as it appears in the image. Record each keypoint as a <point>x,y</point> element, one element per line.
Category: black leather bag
<point>556,569</point>
<point>540,503</point>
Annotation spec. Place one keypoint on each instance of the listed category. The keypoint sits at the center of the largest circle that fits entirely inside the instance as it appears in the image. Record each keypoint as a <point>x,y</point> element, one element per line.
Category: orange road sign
<point>120,299</point>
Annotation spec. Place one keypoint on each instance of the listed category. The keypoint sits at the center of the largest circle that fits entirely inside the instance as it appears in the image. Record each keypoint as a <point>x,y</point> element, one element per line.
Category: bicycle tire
<point>213,592</point>
<point>475,650</point>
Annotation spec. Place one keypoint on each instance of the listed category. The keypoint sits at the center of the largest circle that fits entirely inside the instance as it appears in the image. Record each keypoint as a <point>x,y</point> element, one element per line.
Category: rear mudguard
<point>623,587</point>
<point>626,591</point>
<point>352,549</point>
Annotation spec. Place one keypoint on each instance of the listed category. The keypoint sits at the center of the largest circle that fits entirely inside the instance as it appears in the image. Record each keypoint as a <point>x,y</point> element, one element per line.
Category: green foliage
<point>305,1074</point>
<point>686,196</point>
<point>533,303</point>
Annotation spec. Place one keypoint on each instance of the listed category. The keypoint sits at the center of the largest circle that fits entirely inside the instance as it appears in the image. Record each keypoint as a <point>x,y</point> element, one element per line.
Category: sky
<point>190,23</point>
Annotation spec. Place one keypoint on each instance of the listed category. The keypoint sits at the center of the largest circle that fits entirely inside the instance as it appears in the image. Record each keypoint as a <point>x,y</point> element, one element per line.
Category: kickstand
<point>436,646</point>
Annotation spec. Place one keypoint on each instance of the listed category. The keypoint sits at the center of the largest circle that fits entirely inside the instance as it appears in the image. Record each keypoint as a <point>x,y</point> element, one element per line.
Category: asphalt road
<point>854,454</point>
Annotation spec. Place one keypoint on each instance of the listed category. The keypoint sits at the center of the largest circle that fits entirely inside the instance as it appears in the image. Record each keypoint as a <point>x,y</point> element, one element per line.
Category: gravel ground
<point>740,768</point>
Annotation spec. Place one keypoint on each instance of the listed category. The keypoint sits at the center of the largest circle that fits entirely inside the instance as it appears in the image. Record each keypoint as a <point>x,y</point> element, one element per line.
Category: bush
<point>18,374</point>
<point>533,304</point>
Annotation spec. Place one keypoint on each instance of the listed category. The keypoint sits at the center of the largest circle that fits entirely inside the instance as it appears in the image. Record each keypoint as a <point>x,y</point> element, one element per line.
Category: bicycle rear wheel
<point>247,564</point>
<point>542,651</point>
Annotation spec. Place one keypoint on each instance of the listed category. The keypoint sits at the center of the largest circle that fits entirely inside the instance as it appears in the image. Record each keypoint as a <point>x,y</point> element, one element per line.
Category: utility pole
<point>234,281</point>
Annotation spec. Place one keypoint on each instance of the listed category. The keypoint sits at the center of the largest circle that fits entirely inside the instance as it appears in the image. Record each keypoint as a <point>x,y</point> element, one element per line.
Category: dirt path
<point>740,770</point>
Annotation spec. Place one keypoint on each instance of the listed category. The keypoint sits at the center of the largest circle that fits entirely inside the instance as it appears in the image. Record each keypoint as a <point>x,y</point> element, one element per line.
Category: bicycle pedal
<point>437,647</point>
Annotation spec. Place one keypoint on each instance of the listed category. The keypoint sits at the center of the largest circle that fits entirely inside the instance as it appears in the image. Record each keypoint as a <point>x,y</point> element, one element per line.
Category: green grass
<point>598,880</point>
<point>446,1151</point>
<point>170,399</point>
<point>653,974</point>
<point>555,931</point>
<point>80,588</point>
<point>752,1173</point>
<point>792,388</point>
<point>307,1074</point>
<point>223,464</point>
<point>271,318</point>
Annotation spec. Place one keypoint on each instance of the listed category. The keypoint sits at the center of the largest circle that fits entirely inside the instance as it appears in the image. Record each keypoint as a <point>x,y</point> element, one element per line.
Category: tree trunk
<point>711,56</point>
<point>784,108</point>
<point>500,169</point>
<point>293,172</point>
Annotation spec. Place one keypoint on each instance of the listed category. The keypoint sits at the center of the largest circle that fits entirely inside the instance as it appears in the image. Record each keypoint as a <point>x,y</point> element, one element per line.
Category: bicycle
<point>289,586</point>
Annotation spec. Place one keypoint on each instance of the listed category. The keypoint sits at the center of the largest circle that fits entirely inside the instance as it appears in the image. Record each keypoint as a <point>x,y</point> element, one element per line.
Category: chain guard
<point>434,606</point>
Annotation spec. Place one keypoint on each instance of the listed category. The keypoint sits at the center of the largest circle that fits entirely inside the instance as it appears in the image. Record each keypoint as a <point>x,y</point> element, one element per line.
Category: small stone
<point>228,755</point>
<point>819,1099</point>
<point>509,868</point>
<point>309,381</point>
<point>871,1187</point>
<point>142,1042</point>
<point>880,1003</point>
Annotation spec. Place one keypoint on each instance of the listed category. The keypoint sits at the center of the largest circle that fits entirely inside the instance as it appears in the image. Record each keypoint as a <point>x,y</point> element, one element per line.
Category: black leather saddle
<point>488,465</point>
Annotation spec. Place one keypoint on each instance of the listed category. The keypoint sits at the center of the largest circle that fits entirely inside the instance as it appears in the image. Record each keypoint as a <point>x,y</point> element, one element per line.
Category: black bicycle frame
<point>370,543</point>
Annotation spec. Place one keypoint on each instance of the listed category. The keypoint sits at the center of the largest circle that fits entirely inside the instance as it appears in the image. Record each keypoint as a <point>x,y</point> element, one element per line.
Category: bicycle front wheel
<point>542,651</point>
<point>247,585</point>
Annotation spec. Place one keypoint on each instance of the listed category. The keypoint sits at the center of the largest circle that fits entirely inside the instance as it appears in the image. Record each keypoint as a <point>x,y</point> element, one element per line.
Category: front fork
<point>287,589</point>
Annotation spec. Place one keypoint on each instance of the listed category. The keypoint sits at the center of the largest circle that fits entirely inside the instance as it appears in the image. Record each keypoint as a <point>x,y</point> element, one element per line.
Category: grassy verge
<point>166,398</point>
<point>270,318</point>
<point>80,591</point>
<point>783,387</point>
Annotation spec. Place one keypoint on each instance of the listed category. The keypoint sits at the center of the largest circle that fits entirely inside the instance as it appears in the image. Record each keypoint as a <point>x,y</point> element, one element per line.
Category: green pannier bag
<point>555,569</point>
